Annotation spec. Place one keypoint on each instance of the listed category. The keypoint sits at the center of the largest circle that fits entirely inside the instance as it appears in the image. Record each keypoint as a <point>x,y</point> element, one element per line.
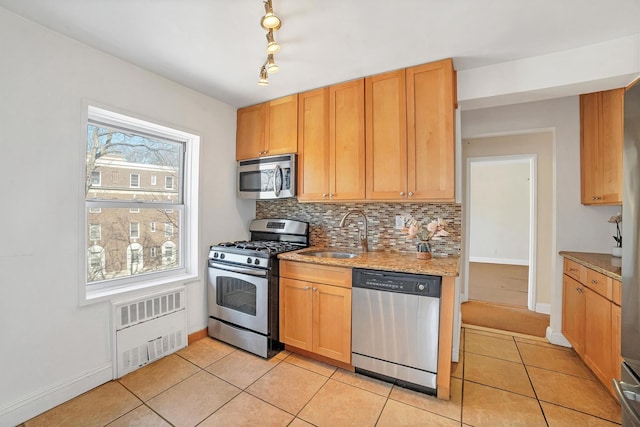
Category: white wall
<point>575,227</point>
<point>52,348</point>
<point>499,211</point>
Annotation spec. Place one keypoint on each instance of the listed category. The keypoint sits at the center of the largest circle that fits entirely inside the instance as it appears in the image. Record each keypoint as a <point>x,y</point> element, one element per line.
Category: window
<point>134,180</point>
<point>168,183</point>
<point>96,178</point>
<point>168,229</point>
<point>154,180</point>
<point>119,145</point>
<point>95,231</point>
<point>134,230</point>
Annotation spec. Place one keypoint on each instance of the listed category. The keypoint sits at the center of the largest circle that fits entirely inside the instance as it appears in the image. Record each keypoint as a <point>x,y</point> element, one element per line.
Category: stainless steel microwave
<point>271,177</point>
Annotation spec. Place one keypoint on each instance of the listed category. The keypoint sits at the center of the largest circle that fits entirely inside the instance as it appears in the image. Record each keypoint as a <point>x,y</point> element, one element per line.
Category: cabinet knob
<point>573,269</point>
<point>324,194</point>
<point>330,195</point>
<point>315,289</point>
<point>594,282</point>
<point>306,288</point>
<point>402,193</point>
<point>596,198</point>
<point>410,193</point>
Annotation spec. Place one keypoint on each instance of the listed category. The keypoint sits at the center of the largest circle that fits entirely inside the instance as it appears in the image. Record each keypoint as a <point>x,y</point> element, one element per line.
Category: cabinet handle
<point>596,197</point>
<point>315,289</point>
<point>402,193</point>
<point>330,195</point>
<point>594,282</point>
<point>410,193</point>
<point>324,194</point>
<point>306,288</point>
<point>573,269</point>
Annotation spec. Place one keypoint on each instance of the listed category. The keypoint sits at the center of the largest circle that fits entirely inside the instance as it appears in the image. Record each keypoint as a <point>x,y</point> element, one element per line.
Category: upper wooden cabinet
<point>410,140</point>
<point>601,140</point>
<point>267,129</point>
<point>331,143</point>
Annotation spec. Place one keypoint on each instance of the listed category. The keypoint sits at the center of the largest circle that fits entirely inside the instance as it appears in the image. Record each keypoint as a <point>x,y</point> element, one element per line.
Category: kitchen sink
<point>329,254</point>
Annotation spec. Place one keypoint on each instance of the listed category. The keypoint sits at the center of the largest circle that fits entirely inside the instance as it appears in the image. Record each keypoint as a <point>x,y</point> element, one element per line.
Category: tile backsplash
<point>324,218</point>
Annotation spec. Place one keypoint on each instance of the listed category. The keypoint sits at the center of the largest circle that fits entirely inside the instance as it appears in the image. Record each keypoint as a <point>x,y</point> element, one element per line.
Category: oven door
<point>239,295</point>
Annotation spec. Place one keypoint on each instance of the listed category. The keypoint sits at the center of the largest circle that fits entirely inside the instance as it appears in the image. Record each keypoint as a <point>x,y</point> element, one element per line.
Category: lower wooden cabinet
<point>591,320</point>
<point>316,315</point>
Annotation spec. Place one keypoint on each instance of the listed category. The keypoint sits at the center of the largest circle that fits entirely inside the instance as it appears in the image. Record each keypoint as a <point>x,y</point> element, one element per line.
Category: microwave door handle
<point>276,171</point>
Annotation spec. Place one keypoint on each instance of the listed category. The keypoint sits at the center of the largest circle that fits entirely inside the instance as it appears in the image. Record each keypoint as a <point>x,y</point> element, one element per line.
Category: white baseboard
<point>508,261</point>
<point>42,400</point>
<point>543,308</point>
<point>556,337</point>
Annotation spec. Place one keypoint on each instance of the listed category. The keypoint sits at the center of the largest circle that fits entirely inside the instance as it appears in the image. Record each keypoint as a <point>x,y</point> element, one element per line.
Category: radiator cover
<point>148,328</point>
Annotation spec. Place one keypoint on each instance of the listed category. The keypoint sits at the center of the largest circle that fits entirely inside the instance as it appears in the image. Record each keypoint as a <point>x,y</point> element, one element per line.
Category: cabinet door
<point>386,136</point>
<point>346,141</point>
<point>332,322</point>
<point>597,353</point>
<point>295,313</point>
<point>616,340</point>
<point>250,134</point>
<point>601,140</point>
<point>611,141</point>
<point>313,155</point>
<point>430,131</point>
<point>282,126</point>
<point>573,312</point>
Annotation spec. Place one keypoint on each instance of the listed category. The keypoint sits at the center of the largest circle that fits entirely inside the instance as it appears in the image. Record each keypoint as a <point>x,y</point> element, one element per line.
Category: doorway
<point>501,229</point>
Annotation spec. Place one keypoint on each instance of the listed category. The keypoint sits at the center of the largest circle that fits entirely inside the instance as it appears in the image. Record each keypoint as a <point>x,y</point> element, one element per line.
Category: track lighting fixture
<point>271,23</point>
<point>270,20</point>
<point>272,45</point>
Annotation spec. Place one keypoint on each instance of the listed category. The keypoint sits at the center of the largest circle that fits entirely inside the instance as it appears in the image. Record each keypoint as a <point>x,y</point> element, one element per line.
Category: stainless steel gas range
<point>242,289</point>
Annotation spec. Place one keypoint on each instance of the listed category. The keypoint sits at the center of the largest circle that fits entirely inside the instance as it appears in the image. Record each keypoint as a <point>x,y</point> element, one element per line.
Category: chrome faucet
<point>363,239</point>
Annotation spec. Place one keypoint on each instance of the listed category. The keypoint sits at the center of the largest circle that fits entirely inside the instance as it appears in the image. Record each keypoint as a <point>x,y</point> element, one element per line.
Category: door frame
<point>532,161</point>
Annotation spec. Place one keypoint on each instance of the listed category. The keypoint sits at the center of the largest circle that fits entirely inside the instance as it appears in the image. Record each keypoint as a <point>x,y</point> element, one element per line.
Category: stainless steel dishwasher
<point>396,318</point>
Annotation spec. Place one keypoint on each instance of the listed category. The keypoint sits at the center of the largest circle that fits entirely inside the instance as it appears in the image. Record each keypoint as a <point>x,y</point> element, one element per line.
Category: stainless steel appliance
<point>242,291</point>
<point>395,323</point>
<point>271,177</point>
<point>628,389</point>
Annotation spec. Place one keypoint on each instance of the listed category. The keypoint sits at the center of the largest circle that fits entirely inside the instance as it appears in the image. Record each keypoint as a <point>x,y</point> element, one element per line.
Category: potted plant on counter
<point>434,230</point>
<point>617,249</point>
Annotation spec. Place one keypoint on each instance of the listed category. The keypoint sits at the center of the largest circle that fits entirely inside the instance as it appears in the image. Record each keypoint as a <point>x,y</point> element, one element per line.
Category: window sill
<point>134,289</point>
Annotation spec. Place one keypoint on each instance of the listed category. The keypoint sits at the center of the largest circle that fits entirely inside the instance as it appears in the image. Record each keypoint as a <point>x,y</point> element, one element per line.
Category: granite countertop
<point>405,262</point>
<point>606,264</point>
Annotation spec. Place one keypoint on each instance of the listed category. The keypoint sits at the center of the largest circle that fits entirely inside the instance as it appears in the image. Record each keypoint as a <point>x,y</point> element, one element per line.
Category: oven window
<point>236,294</point>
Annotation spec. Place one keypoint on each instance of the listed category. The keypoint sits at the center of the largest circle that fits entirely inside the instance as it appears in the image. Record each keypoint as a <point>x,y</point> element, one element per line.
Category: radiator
<point>148,328</point>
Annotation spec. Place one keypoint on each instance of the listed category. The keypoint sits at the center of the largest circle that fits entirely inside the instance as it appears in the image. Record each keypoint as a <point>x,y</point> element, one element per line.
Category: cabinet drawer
<point>616,292</point>
<point>575,270</point>
<point>338,276</point>
<point>599,283</point>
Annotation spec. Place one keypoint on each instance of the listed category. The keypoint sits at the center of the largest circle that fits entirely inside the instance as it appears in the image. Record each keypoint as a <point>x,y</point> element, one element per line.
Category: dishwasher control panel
<point>417,284</point>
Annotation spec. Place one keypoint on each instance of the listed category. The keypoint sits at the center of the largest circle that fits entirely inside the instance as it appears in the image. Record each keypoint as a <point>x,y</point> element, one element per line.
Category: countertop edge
<point>405,262</point>
<point>596,262</point>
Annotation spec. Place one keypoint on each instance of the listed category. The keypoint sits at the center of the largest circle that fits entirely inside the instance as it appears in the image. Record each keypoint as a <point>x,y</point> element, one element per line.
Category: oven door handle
<point>242,270</point>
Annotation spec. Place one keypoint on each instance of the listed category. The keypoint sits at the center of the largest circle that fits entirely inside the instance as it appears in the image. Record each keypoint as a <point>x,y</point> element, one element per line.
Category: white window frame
<point>95,210</point>
<point>97,183</point>
<point>152,226</point>
<point>137,180</point>
<point>153,251</point>
<point>189,269</point>
<point>135,235</point>
<point>134,210</point>
<point>97,228</point>
<point>168,229</point>
<point>154,179</point>
<point>169,179</point>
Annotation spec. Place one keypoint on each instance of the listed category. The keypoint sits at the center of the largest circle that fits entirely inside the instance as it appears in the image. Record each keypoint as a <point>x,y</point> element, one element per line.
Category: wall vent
<point>148,328</point>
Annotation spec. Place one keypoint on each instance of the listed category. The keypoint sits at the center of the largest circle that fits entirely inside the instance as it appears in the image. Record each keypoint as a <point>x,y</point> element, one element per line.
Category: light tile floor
<point>500,380</point>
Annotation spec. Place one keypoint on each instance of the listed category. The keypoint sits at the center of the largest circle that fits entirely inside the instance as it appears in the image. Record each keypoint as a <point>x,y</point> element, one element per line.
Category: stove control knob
<point>248,260</point>
<point>221,256</point>
<point>257,261</point>
<point>215,254</point>
<point>421,287</point>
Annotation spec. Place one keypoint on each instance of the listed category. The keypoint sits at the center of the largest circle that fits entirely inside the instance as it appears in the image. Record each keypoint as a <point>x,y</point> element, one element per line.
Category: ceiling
<point>217,46</point>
